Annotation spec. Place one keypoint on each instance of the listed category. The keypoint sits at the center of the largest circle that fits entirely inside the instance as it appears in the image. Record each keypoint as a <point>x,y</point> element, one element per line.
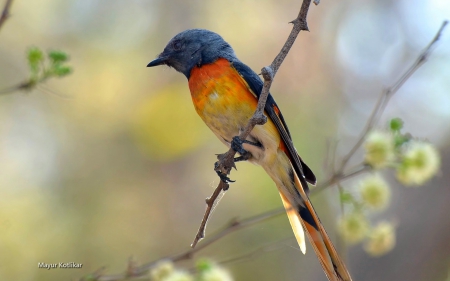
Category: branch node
<point>259,118</point>
<point>233,222</point>
<point>267,73</point>
<point>303,24</point>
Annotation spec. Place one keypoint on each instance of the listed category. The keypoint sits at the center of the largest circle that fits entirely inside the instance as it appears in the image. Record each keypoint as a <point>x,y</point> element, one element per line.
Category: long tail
<point>303,214</point>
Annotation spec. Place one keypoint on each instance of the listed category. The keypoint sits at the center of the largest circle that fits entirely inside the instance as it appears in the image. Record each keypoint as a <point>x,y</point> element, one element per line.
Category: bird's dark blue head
<point>193,47</point>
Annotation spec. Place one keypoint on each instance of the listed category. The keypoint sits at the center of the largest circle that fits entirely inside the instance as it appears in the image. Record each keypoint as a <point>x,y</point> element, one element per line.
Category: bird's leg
<point>237,145</point>
<point>244,157</point>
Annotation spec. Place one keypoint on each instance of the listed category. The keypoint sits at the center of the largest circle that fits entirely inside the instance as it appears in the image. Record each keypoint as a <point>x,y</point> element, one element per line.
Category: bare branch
<point>5,13</point>
<point>211,202</point>
<point>226,160</point>
<point>337,178</point>
<point>388,93</point>
<point>20,87</point>
<point>276,245</point>
<point>232,226</point>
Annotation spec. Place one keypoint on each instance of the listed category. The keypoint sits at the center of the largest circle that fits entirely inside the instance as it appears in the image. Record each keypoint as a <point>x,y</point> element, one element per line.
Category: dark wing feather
<point>273,112</point>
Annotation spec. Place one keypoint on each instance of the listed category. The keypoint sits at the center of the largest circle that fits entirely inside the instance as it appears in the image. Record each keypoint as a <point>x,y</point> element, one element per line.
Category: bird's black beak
<point>158,61</point>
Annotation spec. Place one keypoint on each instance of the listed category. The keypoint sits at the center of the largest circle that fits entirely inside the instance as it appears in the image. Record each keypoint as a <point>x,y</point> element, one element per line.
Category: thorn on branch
<point>303,25</point>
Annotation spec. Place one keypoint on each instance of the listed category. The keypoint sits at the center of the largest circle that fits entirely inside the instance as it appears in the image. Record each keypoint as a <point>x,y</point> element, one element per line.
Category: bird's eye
<point>177,45</point>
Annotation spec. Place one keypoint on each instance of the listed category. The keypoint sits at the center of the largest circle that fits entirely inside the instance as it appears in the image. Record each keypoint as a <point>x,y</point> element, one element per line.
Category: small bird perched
<point>225,94</point>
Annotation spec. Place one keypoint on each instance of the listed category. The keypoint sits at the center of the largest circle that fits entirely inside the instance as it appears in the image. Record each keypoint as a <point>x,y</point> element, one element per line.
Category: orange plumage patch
<point>283,147</point>
<point>276,109</point>
<point>218,78</point>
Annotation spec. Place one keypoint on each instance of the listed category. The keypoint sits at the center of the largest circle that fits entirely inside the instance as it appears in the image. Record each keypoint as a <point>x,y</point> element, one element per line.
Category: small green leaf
<point>35,57</point>
<point>396,124</point>
<point>58,56</point>
<point>61,71</point>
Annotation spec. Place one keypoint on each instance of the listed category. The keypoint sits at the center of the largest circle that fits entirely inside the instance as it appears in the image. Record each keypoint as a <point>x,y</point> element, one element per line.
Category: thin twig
<point>20,87</point>
<point>5,13</point>
<point>276,245</point>
<point>226,160</point>
<point>211,202</point>
<point>337,178</point>
<point>387,94</point>
<point>232,226</point>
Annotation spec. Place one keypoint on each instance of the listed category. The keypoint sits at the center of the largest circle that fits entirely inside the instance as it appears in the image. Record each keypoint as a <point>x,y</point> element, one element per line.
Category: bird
<point>225,93</point>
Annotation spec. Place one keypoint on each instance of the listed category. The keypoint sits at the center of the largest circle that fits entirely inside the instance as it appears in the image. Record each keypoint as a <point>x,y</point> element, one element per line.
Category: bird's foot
<point>237,145</point>
<point>223,177</point>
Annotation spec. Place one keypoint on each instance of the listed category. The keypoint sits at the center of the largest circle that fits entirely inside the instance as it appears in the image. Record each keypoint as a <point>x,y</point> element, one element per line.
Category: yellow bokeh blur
<point>165,126</point>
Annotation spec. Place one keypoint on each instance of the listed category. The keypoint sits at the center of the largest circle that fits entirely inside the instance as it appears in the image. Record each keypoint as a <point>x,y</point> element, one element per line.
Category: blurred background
<point>122,167</point>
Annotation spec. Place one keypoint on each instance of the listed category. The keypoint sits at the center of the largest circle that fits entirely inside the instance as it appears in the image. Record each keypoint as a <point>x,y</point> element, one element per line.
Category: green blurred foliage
<point>43,68</point>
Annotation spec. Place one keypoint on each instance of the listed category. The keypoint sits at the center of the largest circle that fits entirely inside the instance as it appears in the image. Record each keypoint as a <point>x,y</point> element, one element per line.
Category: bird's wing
<point>255,84</point>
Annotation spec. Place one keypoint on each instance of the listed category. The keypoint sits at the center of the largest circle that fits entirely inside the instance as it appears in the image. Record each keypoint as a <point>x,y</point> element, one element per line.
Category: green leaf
<point>396,124</point>
<point>58,56</point>
<point>61,71</point>
<point>35,57</point>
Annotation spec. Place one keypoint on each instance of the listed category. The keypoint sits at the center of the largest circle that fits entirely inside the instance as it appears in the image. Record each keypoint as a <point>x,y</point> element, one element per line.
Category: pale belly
<point>227,121</point>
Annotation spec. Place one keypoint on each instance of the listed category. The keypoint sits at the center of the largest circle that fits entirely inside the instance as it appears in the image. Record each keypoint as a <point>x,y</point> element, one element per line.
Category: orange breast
<point>224,101</point>
<point>221,97</point>
<point>218,78</point>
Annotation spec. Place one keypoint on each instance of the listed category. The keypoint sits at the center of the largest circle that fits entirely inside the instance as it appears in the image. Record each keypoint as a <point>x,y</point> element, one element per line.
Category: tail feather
<point>339,266</point>
<point>296,223</point>
<point>303,217</point>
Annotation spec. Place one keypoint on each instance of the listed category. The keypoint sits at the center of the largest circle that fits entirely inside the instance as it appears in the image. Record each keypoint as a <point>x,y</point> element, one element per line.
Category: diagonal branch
<point>226,160</point>
<point>5,13</point>
<point>387,94</point>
